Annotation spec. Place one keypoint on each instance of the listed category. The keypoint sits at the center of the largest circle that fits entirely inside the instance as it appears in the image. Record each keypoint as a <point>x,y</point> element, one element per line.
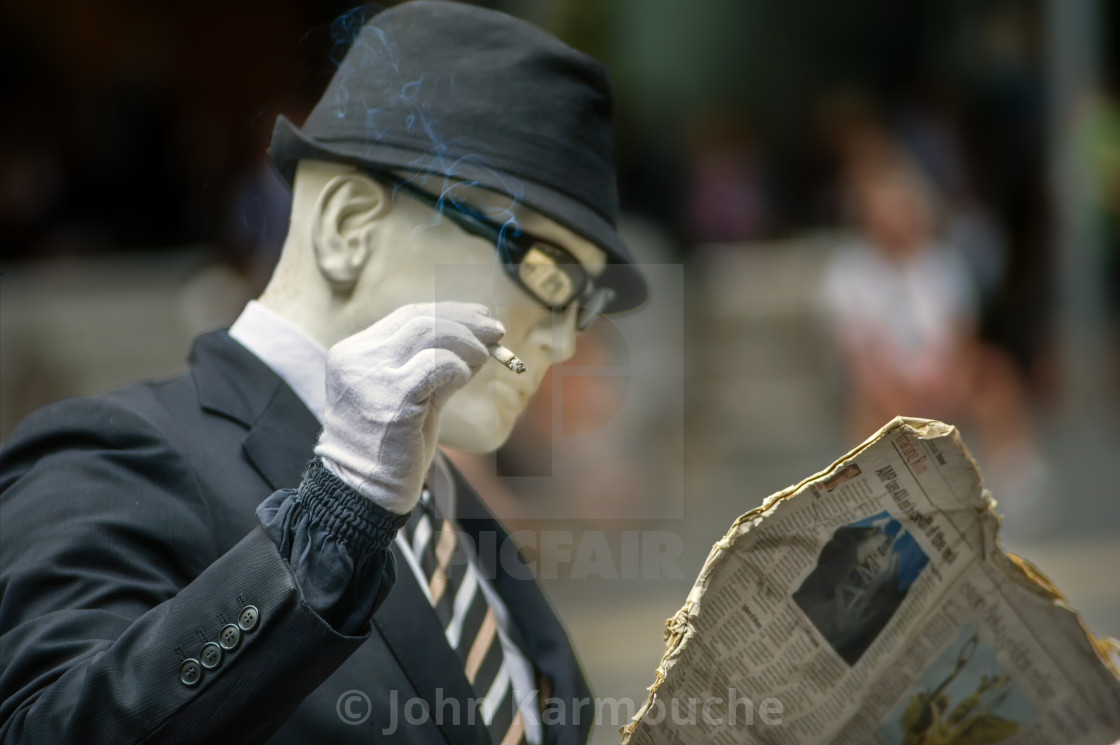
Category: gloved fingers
<point>475,316</point>
<point>477,319</point>
<point>424,333</point>
<point>437,371</point>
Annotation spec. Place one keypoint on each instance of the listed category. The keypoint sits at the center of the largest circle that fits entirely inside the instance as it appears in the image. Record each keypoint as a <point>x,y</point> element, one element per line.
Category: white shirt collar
<point>293,355</point>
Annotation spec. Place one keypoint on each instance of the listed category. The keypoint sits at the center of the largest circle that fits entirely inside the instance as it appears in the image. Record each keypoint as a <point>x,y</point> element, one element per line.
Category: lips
<point>514,395</point>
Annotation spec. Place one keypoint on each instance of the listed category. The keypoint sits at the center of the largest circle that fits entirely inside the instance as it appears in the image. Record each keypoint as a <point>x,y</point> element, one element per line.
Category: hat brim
<point>290,145</point>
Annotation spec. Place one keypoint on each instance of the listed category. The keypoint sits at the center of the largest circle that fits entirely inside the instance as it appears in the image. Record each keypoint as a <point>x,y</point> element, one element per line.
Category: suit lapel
<point>234,383</point>
<point>282,440</point>
<point>231,381</point>
<point>412,632</point>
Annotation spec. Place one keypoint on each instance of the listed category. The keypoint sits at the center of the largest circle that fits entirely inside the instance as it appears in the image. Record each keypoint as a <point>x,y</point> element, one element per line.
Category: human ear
<point>346,212</point>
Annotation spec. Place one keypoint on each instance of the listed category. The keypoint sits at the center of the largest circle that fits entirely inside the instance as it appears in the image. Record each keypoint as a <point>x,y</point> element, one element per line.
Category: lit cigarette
<point>506,357</point>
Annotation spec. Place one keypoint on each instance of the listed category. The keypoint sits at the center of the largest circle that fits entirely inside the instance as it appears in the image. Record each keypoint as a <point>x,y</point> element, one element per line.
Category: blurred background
<point>876,209</point>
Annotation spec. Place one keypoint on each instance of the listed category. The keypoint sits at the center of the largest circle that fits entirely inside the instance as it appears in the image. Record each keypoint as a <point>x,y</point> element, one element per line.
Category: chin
<point>482,432</point>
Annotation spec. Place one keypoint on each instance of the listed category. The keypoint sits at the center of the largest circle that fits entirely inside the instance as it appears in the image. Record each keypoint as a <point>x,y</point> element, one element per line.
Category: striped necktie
<point>468,621</point>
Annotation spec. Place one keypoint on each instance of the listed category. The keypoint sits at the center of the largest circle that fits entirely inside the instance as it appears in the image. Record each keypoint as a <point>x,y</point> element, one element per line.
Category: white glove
<point>386,387</point>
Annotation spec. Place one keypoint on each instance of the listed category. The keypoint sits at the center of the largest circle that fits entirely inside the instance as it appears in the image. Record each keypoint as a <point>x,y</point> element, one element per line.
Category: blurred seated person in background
<point>903,305</point>
<point>903,310</point>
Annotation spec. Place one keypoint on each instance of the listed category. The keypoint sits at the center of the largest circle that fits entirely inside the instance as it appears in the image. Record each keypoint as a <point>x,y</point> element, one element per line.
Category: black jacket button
<point>229,637</point>
<point>190,672</point>
<point>210,656</point>
<point>248,618</point>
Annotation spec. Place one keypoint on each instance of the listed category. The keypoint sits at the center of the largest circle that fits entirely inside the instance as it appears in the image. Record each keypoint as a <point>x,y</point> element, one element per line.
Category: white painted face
<point>480,416</point>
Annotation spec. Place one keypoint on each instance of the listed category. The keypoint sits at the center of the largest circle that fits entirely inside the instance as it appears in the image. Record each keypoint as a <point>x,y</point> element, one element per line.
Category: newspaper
<point>871,603</point>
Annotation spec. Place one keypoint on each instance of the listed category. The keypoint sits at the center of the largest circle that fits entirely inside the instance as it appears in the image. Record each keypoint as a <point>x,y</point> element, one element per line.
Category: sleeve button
<point>248,618</point>
<point>229,637</point>
<point>190,672</point>
<point>210,656</point>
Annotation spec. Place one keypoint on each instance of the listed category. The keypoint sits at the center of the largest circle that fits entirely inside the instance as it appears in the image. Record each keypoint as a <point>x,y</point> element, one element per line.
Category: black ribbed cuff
<point>345,513</point>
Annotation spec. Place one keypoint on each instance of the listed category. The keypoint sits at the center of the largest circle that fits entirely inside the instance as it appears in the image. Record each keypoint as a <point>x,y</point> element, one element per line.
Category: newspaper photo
<point>872,603</point>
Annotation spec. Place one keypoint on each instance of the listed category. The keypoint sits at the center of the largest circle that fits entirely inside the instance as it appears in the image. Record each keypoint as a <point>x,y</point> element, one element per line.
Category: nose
<point>556,334</point>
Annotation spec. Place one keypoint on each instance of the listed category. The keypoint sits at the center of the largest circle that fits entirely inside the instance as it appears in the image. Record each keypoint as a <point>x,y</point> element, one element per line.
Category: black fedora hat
<point>476,95</point>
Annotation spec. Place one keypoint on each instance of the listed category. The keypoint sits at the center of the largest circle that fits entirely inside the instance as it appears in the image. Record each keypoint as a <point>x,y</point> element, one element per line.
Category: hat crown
<point>457,83</point>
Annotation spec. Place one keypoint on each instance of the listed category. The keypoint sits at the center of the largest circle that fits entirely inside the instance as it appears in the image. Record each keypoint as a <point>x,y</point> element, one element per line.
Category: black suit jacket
<point>128,537</point>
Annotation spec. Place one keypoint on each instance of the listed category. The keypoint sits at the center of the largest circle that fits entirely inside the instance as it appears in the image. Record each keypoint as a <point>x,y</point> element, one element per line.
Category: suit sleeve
<point>120,621</point>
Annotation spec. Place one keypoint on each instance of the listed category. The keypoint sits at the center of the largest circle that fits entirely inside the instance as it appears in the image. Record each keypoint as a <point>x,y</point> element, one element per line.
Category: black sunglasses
<point>549,273</point>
